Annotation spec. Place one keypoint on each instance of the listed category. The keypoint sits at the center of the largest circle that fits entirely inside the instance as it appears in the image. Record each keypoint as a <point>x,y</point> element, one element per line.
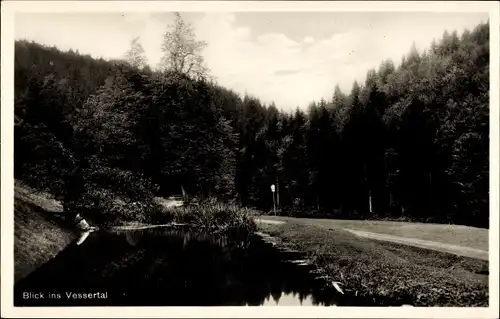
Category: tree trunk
<point>277,192</point>
<point>184,194</point>
<point>368,187</point>
<point>429,199</point>
<point>369,200</point>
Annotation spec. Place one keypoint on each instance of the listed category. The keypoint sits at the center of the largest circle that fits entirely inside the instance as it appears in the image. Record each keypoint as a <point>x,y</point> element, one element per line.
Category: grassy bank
<point>388,272</point>
<point>447,234</point>
<point>39,230</point>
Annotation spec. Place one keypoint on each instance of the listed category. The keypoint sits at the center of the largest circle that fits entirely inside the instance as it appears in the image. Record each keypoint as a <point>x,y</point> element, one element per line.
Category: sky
<point>291,58</point>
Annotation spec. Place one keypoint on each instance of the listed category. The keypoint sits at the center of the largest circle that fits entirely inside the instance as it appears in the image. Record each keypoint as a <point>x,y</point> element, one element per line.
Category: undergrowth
<point>209,214</point>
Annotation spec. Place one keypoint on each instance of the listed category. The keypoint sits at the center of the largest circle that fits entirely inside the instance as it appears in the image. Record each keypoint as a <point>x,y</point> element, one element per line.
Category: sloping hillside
<point>39,230</point>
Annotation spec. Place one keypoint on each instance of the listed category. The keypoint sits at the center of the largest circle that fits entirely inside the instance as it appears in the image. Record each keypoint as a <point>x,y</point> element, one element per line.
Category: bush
<point>126,184</point>
<point>40,159</point>
<point>103,207</point>
<point>109,195</point>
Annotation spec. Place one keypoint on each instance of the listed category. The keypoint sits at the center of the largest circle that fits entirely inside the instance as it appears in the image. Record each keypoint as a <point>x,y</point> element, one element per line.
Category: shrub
<point>104,207</point>
<point>112,196</point>
<point>124,183</point>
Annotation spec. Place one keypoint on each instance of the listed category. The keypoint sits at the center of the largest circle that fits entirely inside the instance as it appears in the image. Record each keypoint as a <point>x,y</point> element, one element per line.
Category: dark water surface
<point>165,267</point>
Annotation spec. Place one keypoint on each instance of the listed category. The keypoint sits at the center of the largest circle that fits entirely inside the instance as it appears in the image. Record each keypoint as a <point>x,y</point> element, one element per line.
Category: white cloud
<point>276,40</point>
<point>272,66</point>
<point>308,40</point>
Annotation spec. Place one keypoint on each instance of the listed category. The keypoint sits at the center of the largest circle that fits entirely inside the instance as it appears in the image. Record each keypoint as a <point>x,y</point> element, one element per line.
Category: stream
<point>176,267</point>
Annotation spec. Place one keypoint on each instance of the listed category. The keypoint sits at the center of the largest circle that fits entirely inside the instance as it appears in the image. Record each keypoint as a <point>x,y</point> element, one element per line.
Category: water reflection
<point>290,300</point>
<point>177,267</point>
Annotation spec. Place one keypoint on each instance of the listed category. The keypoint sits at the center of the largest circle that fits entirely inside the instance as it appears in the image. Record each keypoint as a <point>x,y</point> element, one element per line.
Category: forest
<point>106,136</point>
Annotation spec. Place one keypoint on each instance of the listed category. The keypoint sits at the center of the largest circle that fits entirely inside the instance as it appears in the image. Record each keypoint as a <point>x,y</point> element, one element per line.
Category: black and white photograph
<point>253,156</point>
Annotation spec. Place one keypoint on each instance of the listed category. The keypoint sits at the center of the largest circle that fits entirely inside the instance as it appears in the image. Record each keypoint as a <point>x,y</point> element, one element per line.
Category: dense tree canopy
<point>412,141</point>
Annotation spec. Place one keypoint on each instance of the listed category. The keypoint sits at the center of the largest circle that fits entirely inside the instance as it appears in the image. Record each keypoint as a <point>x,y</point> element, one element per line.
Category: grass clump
<point>210,214</point>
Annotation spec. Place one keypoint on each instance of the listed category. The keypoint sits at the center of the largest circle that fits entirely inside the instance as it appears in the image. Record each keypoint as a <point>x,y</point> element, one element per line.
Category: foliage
<point>136,55</point>
<point>182,52</point>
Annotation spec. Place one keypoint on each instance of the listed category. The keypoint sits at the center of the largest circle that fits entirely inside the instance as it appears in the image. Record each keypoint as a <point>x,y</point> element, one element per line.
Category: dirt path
<point>267,221</point>
<point>427,244</point>
<point>452,249</point>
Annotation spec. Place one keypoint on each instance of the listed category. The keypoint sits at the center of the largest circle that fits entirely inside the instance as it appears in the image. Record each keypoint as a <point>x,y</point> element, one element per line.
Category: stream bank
<point>386,273</point>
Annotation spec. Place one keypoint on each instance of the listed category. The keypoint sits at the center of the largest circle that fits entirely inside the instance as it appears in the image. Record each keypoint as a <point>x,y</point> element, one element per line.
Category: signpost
<point>273,189</point>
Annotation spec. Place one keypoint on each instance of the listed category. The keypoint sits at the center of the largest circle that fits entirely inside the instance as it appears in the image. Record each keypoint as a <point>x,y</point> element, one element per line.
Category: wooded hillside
<point>411,141</point>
